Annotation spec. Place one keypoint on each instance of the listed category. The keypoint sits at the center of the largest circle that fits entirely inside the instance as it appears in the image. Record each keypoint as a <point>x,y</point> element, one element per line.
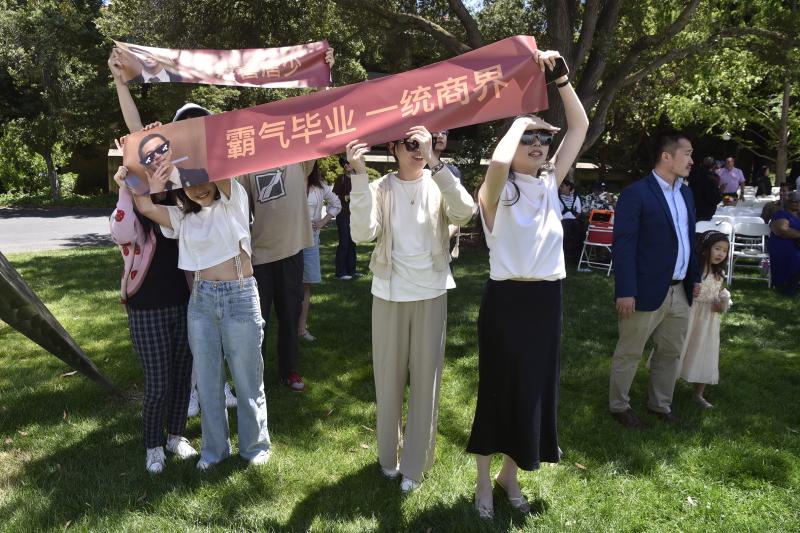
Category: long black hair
<point>314,178</point>
<point>145,222</point>
<point>188,205</point>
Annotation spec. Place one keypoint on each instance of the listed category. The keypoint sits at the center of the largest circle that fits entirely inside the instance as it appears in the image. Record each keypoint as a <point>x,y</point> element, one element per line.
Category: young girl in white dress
<point>700,354</point>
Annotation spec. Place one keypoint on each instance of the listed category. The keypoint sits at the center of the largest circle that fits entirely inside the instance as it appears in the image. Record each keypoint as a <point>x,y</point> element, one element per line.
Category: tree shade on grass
<point>25,312</point>
<point>70,456</point>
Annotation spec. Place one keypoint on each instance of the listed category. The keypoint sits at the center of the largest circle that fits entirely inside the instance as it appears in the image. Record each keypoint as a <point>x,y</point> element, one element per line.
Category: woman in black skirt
<point>519,327</point>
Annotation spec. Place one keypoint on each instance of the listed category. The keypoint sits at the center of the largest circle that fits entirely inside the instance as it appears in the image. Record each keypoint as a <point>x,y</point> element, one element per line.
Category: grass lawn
<point>71,456</point>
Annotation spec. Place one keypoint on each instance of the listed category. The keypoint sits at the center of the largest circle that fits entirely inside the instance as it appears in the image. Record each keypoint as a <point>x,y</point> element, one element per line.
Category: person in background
<point>599,199</point>
<point>439,144</point>
<point>318,193</point>
<point>570,219</point>
<point>731,180</point>
<point>762,181</point>
<point>705,189</point>
<point>773,207</point>
<point>346,249</point>
<point>280,231</point>
<point>784,246</point>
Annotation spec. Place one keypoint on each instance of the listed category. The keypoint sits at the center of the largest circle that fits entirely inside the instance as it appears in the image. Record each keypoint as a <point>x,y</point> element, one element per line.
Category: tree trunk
<point>782,158</point>
<point>55,188</point>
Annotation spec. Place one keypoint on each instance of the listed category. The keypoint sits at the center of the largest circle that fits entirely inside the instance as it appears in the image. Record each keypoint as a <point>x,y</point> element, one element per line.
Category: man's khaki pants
<point>667,325</point>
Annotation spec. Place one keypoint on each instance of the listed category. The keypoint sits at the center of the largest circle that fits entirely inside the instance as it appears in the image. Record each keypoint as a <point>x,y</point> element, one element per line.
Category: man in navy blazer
<point>656,275</point>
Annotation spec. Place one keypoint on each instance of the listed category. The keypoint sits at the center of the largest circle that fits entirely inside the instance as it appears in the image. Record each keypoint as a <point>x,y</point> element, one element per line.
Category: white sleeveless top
<point>526,241</point>
<point>213,234</point>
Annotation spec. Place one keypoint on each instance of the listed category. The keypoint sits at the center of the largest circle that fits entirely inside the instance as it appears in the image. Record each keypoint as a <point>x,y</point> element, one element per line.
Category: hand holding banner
<point>495,81</point>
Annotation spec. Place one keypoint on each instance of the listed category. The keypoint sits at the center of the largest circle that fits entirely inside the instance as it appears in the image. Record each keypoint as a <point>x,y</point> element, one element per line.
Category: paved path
<point>32,229</point>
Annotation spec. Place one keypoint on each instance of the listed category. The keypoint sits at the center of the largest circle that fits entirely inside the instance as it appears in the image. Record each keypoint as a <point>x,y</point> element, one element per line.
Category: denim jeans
<point>225,322</point>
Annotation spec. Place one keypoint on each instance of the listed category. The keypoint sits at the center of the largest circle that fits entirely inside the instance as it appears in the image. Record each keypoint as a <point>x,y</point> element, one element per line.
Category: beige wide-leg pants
<point>408,342</point>
<point>667,325</point>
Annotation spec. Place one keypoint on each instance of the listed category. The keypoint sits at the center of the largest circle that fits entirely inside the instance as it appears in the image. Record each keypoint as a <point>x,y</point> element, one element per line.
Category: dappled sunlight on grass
<point>70,453</point>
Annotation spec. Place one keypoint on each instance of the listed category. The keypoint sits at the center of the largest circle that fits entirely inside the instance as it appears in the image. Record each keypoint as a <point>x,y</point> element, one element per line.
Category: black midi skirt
<point>519,351</point>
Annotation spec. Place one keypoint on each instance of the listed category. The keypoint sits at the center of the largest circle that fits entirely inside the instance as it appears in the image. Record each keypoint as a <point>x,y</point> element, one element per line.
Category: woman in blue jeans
<point>224,316</point>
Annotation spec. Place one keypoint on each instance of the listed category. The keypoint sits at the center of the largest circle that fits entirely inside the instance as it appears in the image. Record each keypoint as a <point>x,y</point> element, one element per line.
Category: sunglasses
<point>163,149</point>
<point>410,144</point>
<point>544,137</point>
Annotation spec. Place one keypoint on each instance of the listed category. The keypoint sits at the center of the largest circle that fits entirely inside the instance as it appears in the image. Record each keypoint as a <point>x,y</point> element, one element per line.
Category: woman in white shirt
<point>318,194</point>
<point>224,316</point>
<point>408,212</point>
<point>519,325</point>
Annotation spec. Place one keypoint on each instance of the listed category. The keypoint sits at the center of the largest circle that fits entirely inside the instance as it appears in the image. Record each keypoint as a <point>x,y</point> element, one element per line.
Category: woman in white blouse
<point>408,212</point>
<point>519,325</point>
<point>318,193</point>
<point>224,314</point>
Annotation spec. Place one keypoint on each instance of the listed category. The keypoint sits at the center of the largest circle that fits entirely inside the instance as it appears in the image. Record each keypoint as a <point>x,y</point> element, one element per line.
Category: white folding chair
<point>710,225</point>
<point>747,219</point>
<point>749,250</point>
<point>723,218</point>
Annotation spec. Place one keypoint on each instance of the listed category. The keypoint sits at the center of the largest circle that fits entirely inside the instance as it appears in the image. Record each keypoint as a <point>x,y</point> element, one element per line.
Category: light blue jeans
<point>225,323</point>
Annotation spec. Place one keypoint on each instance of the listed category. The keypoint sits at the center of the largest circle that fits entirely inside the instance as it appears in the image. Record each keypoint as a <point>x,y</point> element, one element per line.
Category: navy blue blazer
<point>646,244</point>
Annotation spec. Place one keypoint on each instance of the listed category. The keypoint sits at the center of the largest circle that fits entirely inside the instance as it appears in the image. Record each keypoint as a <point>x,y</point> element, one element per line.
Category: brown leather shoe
<point>628,419</point>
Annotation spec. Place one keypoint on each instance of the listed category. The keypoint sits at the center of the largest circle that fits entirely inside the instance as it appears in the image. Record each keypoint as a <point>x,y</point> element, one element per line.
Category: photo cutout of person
<point>169,156</point>
<point>142,66</point>
<point>156,156</point>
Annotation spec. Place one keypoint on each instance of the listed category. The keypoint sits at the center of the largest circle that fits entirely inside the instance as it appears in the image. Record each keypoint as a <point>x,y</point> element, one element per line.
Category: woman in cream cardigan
<point>408,212</point>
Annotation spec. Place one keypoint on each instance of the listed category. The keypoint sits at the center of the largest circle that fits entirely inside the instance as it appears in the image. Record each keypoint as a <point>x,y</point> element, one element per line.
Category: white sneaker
<point>180,447</point>
<point>155,460</point>
<point>230,399</point>
<point>261,458</point>
<point>308,336</point>
<point>345,277</point>
<point>194,404</point>
<point>408,485</point>
<point>203,465</point>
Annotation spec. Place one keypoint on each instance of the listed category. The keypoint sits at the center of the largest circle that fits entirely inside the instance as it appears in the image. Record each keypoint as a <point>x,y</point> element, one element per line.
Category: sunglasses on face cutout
<point>149,158</point>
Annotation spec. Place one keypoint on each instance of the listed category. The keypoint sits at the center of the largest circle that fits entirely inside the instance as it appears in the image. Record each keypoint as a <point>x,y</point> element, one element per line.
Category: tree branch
<point>776,36</point>
<point>474,37</point>
<point>591,12</point>
<point>598,59</point>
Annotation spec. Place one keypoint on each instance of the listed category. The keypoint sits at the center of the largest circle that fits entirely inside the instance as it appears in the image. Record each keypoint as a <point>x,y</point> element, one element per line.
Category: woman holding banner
<point>519,325</point>
<point>224,314</point>
<point>408,212</point>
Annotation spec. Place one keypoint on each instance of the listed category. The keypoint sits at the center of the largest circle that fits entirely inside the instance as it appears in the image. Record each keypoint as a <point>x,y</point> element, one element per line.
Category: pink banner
<point>495,81</point>
<point>289,66</point>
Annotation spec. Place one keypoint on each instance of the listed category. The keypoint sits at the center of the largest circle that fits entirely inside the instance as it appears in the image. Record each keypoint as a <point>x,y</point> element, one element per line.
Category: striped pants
<point>160,339</point>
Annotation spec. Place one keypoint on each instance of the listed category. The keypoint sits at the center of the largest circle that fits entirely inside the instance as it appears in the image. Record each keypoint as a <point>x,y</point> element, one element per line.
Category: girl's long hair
<point>188,205</point>
<point>707,240</point>
<point>314,178</point>
<point>148,224</point>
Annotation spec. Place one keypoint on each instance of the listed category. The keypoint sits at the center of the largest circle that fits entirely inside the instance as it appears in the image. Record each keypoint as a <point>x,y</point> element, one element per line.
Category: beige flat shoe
<point>518,502</point>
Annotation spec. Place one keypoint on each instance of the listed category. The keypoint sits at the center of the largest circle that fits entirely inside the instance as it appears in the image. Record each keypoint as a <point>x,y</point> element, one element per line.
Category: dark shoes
<point>669,418</point>
<point>628,419</point>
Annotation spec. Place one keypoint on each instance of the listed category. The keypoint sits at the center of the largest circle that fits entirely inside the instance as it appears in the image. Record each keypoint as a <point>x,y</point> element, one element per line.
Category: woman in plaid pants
<point>155,294</point>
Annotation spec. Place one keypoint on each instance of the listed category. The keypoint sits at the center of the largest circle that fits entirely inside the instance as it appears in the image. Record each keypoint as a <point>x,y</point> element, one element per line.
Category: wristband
<point>437,168</point>
<point>559,70</point>
<point>563,84</point>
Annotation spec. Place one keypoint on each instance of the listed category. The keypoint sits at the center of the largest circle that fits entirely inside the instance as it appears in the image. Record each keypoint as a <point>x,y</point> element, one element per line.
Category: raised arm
<point>577,122</point>
<point>157,213</point>
<point>499,167</point>
<point>365,216</point>
<point>129,111</point>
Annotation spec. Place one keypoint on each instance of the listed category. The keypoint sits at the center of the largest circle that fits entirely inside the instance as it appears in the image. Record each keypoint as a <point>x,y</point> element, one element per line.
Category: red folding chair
<point>596,251</point>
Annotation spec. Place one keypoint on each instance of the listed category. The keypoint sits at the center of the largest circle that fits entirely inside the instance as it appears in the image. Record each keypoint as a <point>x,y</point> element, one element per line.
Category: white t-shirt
<point>213,234</point>
<point>526,241</point>
<point>413,276</point>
